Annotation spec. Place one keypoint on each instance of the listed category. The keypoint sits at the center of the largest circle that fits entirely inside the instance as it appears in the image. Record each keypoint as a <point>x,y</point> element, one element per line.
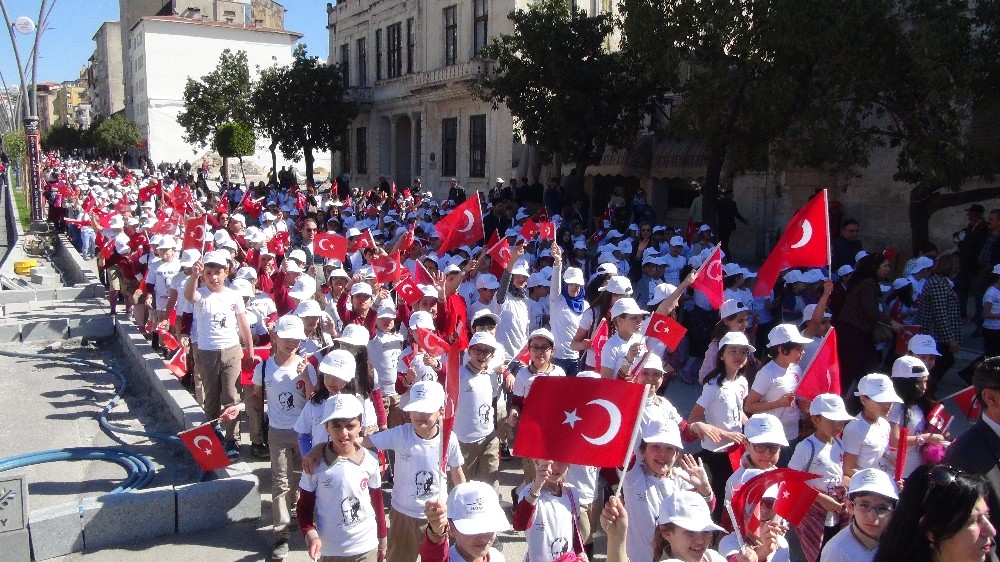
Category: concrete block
<point>123,518</point>
<point>45,331</point>
<point>10,332</point>
<point>70,293</point>
<point>57,530</point>
<point>16,307</point>
<point>19,296</point>
<point>91,327</point>
<point>217,503</point>
<point>16,546</point>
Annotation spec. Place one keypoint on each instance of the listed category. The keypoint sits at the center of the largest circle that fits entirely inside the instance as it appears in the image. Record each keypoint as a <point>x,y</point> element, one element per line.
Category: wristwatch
<point>920,441</point>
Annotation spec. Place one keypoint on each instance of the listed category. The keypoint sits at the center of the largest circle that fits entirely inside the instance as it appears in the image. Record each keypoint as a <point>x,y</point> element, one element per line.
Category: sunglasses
<point>940,477</point>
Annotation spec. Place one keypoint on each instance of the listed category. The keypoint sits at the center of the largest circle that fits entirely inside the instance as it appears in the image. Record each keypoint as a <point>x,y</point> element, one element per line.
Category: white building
<point>105,84</point>
<point>164,51</point>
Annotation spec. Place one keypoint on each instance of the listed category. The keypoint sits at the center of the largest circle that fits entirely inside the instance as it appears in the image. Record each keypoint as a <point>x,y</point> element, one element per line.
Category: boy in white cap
<point>340,508</point>
<point>872,499</point>
<point>417,472</point>
<point>473,518</point>
<point>538,302</point>
<point>383,357</point>
<point>476,419</point>
<point>774,387</point>
<point>765,437</point>
<point>625,345</point>
<point>486,286</point>
<point>511,303</point>
<point>161,274</point>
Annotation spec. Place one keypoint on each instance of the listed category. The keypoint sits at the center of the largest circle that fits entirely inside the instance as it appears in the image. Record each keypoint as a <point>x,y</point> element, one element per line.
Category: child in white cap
<point>473,518</point>
<point>866,438</point>
<point>773,389</point>
<point>822,453</point>
<point>910,380</point>
<point>765,438</point>
<point>768,540</point>
<point>624,344</point>
<point>872,498</point>
<point>735,317</point>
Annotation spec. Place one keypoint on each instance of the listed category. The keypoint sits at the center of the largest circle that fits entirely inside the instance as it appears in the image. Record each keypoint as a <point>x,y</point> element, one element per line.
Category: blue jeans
<point>87,239</point>
<point>570,366</point>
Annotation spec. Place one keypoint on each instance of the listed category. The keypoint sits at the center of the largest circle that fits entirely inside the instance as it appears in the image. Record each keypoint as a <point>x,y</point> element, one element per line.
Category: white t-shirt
<point>614,352</point>
<point>161,274</point>
<point>262,304</point>
<point>512,330</point>
<point>345,518</point>
<point>424,372</point>
<point>417,473</point>
<point>538,314</point>
<point>584,481</point>
<point>215,314</point>
<point>550,533</point>
<point>709,556</point>
<point>286,392</point>
<point>183,305</point>
<point>310,421</point>
<point>723,408</point>
<point>992,296</point>
<point>564,323</point>
<point>773,382</point>
<point>672,269</point>
<point>474,417</point>
<point>383,355</point>
<point>843,547</point>
<point>643,495</point>
<point>917,425</point>
<point>868,441</point>
<point>827,461</point>
<point>524,378</point>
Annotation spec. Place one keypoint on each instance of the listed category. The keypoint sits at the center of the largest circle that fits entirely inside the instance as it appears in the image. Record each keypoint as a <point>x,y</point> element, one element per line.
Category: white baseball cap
<point>662,431</point>
<point>765,428</point>
<point>484,313</point>
<point>242,287</point>
<point>573,276</point>
<point>361,289</point>
<point>732,307</point>
<point>922,263</point>
<point>217,257</point>
<point>520,268</point>
<point>845,270</point>
<point>537,280</point>
<point>189,256</point>
<point>426,397</point>
<point>785,333</point>
<point>922,344</point>
<point>618,285</point>
<point>340,364</point>
<point>354,334</point>
<point>909,367</point>
<point>652,361</point>
<point>874,481</point>
<point>660,293</point>
<point>291,266</point>
<point>290,327</point>
<point>308,308</point>
<point>607,267</point>
<point>474,509</point>
<point>246,272</point>
<point>677,241</point>
<point>297,255</point>
<point>736,338</point>
<point>342,407</point>
<point>487,339</point>
<point>303,289</point>
<point>386,310</point>
<point>167,242</point>
<point>487,281</point>
<point>831,407</point>
<point>688,511</point>
<point>807,313</point>
<point>626,305</point>
<point>542,333</point>
<point>877,387</point>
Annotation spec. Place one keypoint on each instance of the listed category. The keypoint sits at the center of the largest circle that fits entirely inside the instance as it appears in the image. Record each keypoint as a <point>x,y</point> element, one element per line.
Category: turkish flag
<point>408,290</point>
<point>148,192</point>
<point>279,243</point>
<point>332,246</point>
<point>251,206</point>
<point>452,392</point>
<point>422,276</point>
<point>501,254</point>
<point>967,402</point>
<point>747,496</point>
<point>109,172</point>
<point>524,355</point>
<point>547,231</point>
<point>736,455</point>
<point>665,329</point>
<point>89,203</point>
<point>822,375</point>
<point>579,420</point>
<point>598,339</point>
<point>365,241</point>
<point>194,233</point>
<point>407,241</point>
<point>938,419</point>
<point>794,500</point>
<point>182,195</point>
<point>178,363</point>
<point>431,343</point>
<point>463,226</point>
<point>168,341</point>
<point>107,247</point>
<point>260,355</point>
<point>205,447</point>
<point>387,268</point>
<point>167,226</point>
<point>805,243</point>
<point>300,201</point>
<point>529,229</point>
<point>223,205</point>
<point>709,279</point>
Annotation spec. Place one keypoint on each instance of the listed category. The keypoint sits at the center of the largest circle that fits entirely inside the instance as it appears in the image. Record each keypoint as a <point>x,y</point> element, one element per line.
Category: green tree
<point>302,107</point>
<point>16,146</point>
<point>567,93</point>
<point>116,135</point>
<point>218,97</point>
<point>63,138</point>
<point>235,140</point>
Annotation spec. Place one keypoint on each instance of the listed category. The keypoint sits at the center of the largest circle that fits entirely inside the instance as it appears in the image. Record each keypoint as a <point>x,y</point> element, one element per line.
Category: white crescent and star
<point>807,233</point>
<point>207,450</point>
<point>714,270</point>
<point>613,426</point>
<point>472,221</point>
<point>658,329</point>
<point>325,247</point>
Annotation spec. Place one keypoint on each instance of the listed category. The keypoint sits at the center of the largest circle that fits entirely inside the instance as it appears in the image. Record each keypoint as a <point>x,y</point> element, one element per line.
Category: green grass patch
<point>23,211</point>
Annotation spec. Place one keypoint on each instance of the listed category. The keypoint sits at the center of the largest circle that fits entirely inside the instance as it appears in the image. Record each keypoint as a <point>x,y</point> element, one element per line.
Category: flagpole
<point>631,443</point>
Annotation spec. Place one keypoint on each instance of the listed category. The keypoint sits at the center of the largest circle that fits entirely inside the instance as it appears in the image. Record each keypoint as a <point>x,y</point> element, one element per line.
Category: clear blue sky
<point>67,43</point>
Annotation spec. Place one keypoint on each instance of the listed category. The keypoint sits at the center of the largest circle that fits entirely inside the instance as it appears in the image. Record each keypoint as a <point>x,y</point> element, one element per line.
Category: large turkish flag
<point>805,243</point>
<point>579,420</point>
<point>332,246</point>
<point>463,226</point>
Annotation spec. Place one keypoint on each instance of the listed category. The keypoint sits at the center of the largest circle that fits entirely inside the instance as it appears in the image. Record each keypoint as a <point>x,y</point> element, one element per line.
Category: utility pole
<point>29,103</point>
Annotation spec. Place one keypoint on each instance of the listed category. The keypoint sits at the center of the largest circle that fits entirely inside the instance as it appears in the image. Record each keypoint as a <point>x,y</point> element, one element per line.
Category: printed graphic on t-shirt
<point>485,414</point>
<point>558,547</point>
<point>287,401</point>
<point>423,483</point>
<point>350,507</point>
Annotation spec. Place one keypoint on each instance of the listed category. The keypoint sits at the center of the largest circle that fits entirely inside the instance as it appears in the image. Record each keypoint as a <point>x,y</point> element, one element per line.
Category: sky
<point>67,42</point>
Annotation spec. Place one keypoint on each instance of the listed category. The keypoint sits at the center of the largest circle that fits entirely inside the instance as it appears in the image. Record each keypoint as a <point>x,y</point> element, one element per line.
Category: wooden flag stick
<point>631,446</point>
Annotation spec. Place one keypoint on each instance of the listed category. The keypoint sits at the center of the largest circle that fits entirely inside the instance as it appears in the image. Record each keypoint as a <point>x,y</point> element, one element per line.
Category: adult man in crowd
<point>970,242</point>
<point>728,214</point>
<point>456,192</point>
<point>847,245</point>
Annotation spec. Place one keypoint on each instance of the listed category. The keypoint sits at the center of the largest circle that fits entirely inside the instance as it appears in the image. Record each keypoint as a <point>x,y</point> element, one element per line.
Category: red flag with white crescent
<point>279,243</point>
<point>178,363</point>
<point>805,243</point>
<point>194,233</point>
<point>822,375</point>
<point>431,343</point>
<point>709,280</point>
<point>408,290</point>
<point>598,340</point>
<point>529,229</point>
<point>387,268</point>
<point>666,329</point>
<point>462,226</point>
<point>501,254</point>
<point>546,231</point>
<point>205,447</point>
<point>363,241</point>
<point>332,246</point>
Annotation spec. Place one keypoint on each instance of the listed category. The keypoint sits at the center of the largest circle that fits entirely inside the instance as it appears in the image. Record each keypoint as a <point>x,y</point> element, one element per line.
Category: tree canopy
<point>116,135</point>
<point>218,97</point>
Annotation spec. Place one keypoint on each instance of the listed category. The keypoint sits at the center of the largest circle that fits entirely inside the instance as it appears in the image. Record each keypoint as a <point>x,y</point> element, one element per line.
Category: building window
<point>362,63</point>
<point>450,36</point>
<point>361,145</point>
<point>479,20</point>
<point>378,54</point>
<point>345,64</point>
<point>449,145</point>
<point>345,152</point>
<point>411,44</point>
<point>394,40</point>
<point>477,146</point>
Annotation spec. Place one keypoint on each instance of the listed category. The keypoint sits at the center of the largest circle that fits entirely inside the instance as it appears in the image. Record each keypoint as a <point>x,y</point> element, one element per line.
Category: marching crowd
<point>341,365</point>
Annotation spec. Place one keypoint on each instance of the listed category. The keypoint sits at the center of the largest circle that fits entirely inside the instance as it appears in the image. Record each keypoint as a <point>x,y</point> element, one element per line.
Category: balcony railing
<point>456,73</point>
